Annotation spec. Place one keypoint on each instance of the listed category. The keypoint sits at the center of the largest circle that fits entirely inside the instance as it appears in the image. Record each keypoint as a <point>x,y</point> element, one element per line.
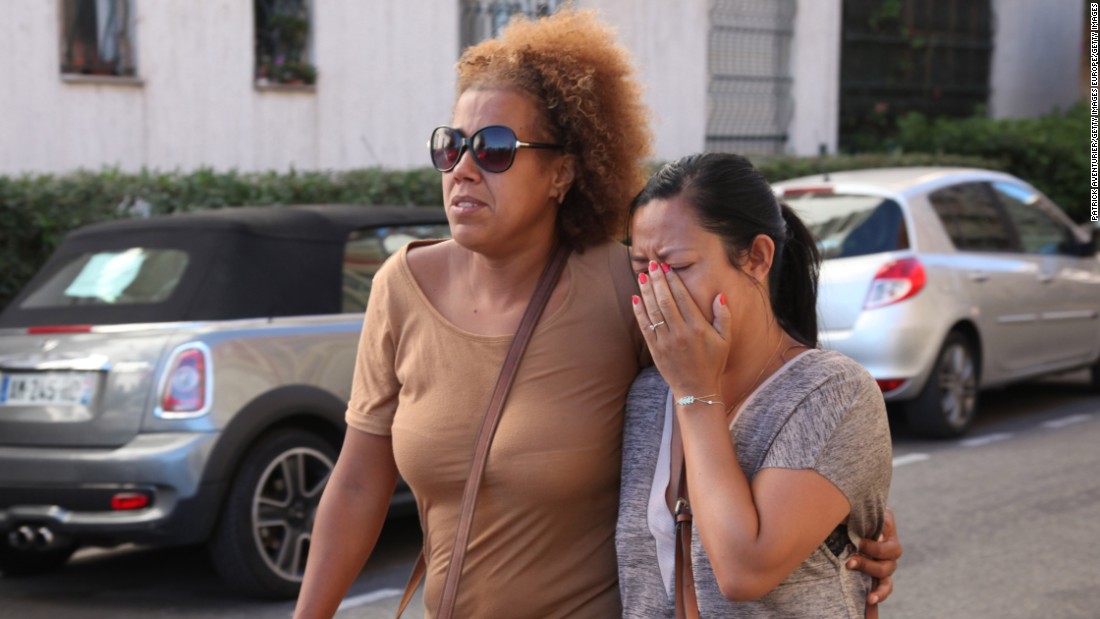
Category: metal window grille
<point>901,56</point>
<point>749,103</point>
<point>96,37</point>
<point>484,19</point>
<point>282,46</point>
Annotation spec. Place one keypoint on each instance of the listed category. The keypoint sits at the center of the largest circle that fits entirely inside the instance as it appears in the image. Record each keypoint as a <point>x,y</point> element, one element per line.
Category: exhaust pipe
<point>29,537</point>
<point>21,538</point>
<point>44,538</point>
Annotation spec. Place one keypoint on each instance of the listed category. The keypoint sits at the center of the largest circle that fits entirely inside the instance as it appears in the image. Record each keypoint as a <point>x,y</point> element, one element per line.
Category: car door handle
<point>979,276</point>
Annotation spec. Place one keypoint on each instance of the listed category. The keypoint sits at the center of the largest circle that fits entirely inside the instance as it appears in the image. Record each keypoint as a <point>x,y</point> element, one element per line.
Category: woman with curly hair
<point>546,148</point>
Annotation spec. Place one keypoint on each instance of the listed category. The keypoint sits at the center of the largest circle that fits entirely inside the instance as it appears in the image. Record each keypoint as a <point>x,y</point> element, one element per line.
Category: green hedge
<point>1050,152</point>
<point>36,211</point>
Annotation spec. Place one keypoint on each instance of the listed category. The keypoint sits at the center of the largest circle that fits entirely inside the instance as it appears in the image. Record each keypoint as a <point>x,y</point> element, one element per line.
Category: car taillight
<point>886,385</point>
<point>796,192</point>
<point>46,329</point>
<point>124,501</point>
<point>186,383</point>
<point>894,282</point>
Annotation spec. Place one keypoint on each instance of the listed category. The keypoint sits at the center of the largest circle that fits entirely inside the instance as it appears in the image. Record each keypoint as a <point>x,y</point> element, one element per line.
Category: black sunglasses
<point>493,147</point>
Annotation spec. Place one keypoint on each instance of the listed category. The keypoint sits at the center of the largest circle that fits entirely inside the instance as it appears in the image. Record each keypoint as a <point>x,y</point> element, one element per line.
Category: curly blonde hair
<point>583,80</point>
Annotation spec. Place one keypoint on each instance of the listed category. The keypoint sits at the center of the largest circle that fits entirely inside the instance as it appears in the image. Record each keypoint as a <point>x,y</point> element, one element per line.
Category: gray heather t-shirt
<point>822,412</point>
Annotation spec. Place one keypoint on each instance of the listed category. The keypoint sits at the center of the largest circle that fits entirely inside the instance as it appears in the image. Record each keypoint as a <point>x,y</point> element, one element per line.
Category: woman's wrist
<point>688,400</point>
<point>697,397</point>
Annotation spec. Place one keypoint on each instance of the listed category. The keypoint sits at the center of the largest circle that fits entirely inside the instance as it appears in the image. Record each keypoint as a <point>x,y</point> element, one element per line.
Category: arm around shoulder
<point>829,463</point>
<point>858,457</point>
<point>349,518</point>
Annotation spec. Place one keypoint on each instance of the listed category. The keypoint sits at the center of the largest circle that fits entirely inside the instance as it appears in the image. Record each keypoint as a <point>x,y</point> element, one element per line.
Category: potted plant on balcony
<point>281,50</point>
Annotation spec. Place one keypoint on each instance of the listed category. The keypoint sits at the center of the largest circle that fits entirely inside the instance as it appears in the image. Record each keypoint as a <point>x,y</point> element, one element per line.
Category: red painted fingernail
<point>652,265</point>
<point>635,299</point>
<point>665,267</point>
<point>722,298</point>
<point>642,278</point>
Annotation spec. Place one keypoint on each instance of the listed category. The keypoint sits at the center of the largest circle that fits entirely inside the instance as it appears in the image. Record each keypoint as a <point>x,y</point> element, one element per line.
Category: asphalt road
<point>1003,524</point>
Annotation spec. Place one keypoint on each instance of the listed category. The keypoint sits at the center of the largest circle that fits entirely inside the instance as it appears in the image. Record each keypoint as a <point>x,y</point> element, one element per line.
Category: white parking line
<point>910,459</point>
<point>1066,421</point>
<point>367,598</point>
<point>978,441</point>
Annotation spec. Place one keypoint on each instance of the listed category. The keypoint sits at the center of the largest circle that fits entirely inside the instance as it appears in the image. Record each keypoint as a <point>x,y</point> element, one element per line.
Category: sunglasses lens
<point>444,148</point>
<point>494,148</point>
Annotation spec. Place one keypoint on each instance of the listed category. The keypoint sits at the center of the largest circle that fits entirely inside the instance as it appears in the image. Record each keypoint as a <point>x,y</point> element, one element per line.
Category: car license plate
<point>47,389</point>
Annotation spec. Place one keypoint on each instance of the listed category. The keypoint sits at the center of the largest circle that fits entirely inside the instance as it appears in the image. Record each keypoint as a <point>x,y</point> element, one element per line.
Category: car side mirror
<point>1090,247</point>
<point>1087,248</point>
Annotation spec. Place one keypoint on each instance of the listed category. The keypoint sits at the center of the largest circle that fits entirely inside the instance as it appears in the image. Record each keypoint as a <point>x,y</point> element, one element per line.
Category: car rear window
<point>847,225</point>
<point>368,248</point>
<point>137,275</point>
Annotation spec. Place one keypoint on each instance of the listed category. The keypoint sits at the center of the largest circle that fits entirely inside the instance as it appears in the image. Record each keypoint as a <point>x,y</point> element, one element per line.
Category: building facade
<point>340,84</point>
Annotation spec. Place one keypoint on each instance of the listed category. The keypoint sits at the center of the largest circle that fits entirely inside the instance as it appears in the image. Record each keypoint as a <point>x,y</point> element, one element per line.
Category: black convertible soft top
<point>331,222</point>
<point>244,262</point>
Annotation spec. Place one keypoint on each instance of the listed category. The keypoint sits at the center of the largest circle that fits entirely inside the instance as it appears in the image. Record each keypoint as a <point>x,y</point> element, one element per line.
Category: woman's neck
<point>754,359</point>
<point>499,283</point>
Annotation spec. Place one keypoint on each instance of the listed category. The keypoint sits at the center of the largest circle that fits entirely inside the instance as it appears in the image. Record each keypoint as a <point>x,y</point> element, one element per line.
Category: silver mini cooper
<point>183,379</point>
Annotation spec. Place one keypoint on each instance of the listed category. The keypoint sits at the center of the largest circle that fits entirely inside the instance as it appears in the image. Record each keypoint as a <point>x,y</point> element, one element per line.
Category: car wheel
<point>262,540</point>
<point>18,562</point>
<point>947,404</point>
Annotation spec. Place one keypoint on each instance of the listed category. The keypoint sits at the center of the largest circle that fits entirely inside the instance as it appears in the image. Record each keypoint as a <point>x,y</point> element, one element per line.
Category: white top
<point>660,524</point>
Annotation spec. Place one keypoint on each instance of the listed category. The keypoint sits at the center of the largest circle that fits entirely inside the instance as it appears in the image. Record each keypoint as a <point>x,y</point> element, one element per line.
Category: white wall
<point>45,125</point>
<point>381,89</point>
<point>815,69</point>
<point>669,43</point>
<point>387,76</point>
<point>391,79</point>
<point>1036,56</point>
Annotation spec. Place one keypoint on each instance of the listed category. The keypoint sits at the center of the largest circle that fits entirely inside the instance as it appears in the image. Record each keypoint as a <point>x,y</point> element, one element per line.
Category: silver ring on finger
<point>653,327</point>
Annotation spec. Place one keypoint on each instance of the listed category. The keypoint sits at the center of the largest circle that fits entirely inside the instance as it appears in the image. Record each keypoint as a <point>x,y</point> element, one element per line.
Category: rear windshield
<point>137,275</point>
<point>847,225</point>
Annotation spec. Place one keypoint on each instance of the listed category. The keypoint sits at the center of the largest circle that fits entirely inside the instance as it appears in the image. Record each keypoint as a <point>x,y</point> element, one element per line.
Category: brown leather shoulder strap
<point>543,290</point>
<point>417,575</point>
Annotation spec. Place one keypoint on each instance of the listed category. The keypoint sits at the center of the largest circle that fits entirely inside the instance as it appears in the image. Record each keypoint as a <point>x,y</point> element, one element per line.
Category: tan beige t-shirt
<point>543,539</point>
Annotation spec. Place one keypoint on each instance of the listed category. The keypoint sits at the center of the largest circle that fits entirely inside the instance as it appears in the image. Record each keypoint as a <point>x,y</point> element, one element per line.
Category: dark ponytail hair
<point>734,201</point>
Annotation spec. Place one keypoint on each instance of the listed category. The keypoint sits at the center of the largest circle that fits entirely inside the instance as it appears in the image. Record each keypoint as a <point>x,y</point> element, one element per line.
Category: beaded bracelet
<point>701,399</point>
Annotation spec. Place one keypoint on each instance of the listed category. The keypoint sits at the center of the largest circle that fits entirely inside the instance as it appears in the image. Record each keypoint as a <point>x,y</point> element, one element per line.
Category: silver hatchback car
<point>183,379</point>
<point>945,281</point>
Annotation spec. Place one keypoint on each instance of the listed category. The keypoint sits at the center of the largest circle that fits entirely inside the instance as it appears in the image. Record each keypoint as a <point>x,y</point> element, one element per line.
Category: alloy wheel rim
<point>284,505</point>
<point>958,385</point>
